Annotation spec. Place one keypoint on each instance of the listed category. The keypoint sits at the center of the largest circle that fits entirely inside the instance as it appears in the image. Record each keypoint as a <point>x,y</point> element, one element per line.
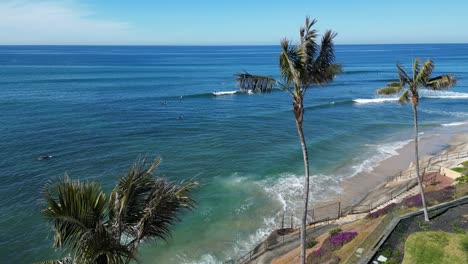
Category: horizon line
<point>226,45</point>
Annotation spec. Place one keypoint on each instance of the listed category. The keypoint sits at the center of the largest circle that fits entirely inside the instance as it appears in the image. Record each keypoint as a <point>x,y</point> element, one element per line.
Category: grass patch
<point>463,170</point>
<point>436,247</point>
<point>462,190</point>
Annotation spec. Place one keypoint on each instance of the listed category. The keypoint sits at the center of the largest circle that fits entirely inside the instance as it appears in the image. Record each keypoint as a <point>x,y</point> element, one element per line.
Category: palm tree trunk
<point>416,152</point>
<point>299,114</point>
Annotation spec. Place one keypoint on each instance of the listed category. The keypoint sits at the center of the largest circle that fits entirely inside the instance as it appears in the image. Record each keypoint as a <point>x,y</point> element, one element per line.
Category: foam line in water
<point>381,152</point>
<point>454,124</point>
<point>443,94</point>
<point>224,93</point>
<point>374,100</point>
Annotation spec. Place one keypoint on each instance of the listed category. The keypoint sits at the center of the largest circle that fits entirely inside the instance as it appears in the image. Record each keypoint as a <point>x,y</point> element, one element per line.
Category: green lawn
<point>436,248</point>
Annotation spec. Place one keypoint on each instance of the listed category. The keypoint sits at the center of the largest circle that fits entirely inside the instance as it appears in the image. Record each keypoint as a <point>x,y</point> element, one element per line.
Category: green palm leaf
<point>404,97</point>
<point>73,209</point>
<point>256,83</point>
<point>96,230</point>
<point>321,71</point>
<point>165,201</point>
<point>129,195</point>
<point>425,72</point>
<point>441,82</point>
<point>291,63</point>
<point>390,90</point>
<point>403,76</point>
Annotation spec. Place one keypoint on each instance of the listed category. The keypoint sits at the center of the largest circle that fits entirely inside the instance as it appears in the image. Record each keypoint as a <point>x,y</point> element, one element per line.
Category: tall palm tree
<point>302,66</point>
<point>421,79</point>
<point>91,227</point>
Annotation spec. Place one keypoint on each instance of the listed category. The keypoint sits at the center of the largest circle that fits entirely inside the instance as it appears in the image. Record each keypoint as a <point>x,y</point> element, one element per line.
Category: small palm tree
<point>98,229</point>
<point>421,79</point>
<point>302,66</point>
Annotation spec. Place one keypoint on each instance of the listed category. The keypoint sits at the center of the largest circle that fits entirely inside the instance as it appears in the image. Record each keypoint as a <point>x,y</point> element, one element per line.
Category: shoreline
<point>437,142</point>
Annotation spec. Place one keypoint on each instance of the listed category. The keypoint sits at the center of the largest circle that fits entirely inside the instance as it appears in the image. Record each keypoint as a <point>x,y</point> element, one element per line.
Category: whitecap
<point>443,94</point>
<point>374,100</point>
<point>454,124</point>
<point>224,93</point>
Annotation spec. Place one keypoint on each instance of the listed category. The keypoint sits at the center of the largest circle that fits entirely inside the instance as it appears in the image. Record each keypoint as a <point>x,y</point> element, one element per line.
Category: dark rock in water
<point>44,157</point>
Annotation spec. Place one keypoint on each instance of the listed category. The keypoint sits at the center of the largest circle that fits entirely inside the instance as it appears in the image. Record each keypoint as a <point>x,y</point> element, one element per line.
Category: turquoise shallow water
<point>95,109</point>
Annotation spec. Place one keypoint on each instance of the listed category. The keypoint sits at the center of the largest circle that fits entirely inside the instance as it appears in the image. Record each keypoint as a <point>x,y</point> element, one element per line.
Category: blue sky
<point>218,22</point>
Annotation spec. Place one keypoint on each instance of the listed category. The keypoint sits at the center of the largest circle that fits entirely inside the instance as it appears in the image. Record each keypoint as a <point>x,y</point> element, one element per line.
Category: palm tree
<point>421,79</point>
<point>94,228</point>
<point>303,66</point>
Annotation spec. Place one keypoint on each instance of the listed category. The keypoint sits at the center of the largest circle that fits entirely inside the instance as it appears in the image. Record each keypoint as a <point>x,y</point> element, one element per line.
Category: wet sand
<point>441,141</point>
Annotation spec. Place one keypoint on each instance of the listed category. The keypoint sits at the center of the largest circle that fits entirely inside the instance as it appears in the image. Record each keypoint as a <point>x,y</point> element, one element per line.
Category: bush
<point>311,243</point>
<point>382,211</point>
<point>432,198</point>
<point>334,231</point>
<point>342,238</point>
<point>331,244</point>
<point>462,179</point>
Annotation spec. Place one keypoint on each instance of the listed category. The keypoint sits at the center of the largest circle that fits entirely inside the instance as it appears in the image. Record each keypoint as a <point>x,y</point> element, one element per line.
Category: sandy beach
<point>438,142</point>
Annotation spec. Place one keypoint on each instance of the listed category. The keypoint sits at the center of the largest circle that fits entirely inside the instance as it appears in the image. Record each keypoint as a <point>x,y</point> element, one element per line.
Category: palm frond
<point>74,209</point>
<point>320,70</point>
<point>102,247</point>
<point>404,97</point>
<point>403,76</point>
<point>425,72</point>
<point>255,83</point>
<point>165,202</point>
<point>416,63</point>
<point>441,82</point>
<point>129,195</point>
<point>393,84</point>
<point>309,46</point>
<point>390,90</point>
<point>291,64</point>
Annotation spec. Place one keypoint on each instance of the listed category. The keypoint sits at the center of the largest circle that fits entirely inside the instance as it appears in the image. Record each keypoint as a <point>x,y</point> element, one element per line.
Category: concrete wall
<point>449,173</point>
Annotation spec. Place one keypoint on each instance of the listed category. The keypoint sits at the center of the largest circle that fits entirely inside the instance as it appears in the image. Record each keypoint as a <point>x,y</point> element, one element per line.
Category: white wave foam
<point>224,93</point>
<point>455,124</point>
<point>244,245</point>
<point>381,153</point>
<point>289,189</point>
<point>447,113</point>
<point>205,259</point>
<point>374,100</point>
<point>443,94</point>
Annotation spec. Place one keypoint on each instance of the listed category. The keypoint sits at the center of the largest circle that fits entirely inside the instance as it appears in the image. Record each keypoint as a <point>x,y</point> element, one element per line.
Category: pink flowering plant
<point>382,211</point>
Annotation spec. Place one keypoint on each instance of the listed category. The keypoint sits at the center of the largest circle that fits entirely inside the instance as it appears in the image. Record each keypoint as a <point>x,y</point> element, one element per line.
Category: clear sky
<point>225,22</point>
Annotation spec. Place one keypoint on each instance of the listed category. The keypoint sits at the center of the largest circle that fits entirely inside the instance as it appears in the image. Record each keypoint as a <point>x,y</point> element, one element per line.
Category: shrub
<point>320,252</point>
<point>342,238</point>
<point>462,179</point>
<point>413,201</point>
<point>382,211</point>
<point>334,231</point>
<point>311,243</point>
<point>433,197</point>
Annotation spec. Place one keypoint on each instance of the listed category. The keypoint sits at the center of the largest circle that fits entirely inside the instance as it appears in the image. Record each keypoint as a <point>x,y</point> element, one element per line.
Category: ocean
<point>95,109</point>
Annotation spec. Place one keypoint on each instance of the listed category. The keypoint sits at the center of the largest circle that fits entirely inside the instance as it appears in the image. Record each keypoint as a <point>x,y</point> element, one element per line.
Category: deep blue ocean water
<point>95,109</point>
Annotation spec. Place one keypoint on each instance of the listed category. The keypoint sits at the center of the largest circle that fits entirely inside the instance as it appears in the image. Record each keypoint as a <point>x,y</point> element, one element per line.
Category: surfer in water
<point>44,157</point>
